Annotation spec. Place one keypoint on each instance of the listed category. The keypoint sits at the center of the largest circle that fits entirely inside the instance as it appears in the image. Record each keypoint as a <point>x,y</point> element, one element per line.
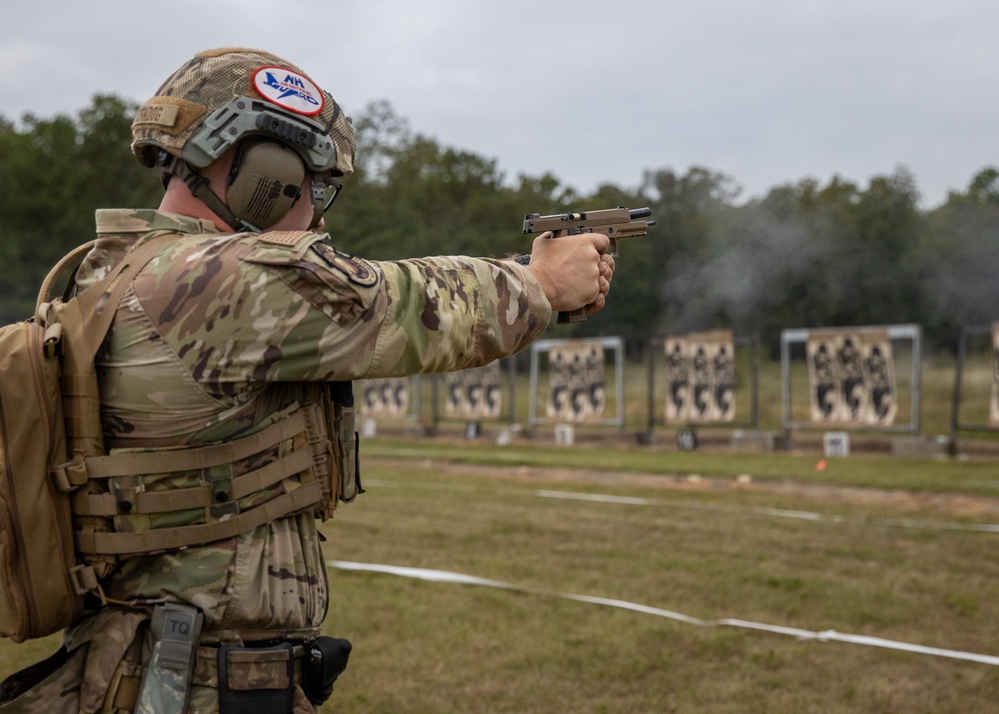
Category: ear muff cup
<point>264,183</point>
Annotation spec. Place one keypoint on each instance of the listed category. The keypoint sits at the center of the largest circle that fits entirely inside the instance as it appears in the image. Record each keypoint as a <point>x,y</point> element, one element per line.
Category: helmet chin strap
<point>198,186</point>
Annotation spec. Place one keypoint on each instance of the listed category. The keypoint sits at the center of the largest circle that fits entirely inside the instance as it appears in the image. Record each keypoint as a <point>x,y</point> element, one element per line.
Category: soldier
<point>226,402</point>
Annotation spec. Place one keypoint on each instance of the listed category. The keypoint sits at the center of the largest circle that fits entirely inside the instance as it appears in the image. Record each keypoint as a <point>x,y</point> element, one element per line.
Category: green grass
<point>709,549</point>
<point>980,477</point>
<point>710,553</point>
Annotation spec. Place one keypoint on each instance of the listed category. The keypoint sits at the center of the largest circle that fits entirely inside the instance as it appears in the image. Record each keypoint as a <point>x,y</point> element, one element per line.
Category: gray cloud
<point>767,92</point>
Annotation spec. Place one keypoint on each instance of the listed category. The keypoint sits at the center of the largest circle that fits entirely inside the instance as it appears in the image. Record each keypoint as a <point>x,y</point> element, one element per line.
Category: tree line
<point>806,254</point>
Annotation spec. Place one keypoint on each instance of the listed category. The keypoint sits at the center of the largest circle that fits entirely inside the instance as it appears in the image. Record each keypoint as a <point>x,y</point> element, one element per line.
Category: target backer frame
<point>910,332</point>
<point>614,344</point>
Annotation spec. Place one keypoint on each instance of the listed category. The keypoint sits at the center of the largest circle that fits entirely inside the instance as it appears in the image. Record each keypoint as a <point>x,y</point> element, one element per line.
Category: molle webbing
<point>309,460</point>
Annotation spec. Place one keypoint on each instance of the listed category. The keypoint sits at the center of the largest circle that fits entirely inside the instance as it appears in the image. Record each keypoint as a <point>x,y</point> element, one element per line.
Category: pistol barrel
<point>584,221</point>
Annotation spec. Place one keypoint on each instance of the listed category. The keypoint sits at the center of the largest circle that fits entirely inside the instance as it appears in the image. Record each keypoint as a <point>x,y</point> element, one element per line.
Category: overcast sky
<point>765,91</point>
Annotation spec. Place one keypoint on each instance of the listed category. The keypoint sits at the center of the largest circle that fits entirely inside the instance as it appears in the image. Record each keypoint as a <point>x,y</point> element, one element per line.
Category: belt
<point>256,672</point>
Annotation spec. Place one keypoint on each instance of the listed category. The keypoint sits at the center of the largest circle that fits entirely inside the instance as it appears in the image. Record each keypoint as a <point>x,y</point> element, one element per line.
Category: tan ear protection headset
<point>264,183</point>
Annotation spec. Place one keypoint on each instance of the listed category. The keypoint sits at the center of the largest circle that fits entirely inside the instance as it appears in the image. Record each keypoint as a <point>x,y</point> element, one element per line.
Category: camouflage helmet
<point>222,96</point>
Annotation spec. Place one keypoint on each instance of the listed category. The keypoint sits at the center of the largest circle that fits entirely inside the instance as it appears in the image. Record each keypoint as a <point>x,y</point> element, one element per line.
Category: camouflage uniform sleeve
<point>291,308</point>
<point>446,314</point>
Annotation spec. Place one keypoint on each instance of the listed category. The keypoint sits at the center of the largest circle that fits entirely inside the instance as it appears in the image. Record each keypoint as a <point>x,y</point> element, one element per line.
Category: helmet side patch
<point>289,89</point>
<point>164,115</point>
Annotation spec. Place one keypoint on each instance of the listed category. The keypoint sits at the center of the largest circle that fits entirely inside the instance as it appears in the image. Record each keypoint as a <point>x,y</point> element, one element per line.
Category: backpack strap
<point>74,256</point>
<point>85,320</point>
<point>75,327</point>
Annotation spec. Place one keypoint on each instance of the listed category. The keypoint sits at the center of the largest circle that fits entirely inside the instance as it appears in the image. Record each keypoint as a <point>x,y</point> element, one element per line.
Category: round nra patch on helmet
<point>288,89</point>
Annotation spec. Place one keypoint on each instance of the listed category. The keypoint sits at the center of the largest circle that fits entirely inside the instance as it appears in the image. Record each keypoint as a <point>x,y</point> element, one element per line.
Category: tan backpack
<point>49,421</point>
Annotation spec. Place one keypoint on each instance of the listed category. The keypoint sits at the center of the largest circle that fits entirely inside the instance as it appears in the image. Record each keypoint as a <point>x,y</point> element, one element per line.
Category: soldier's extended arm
<point>615,223</point>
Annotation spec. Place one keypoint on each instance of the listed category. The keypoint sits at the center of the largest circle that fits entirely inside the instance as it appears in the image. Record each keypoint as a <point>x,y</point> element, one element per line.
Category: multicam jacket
<point>221,331</point>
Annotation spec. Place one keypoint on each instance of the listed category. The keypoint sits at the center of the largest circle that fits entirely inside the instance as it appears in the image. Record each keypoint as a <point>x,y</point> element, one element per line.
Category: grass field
<point>872,545</point>
<point>788,547</point>
<point>870,563</point>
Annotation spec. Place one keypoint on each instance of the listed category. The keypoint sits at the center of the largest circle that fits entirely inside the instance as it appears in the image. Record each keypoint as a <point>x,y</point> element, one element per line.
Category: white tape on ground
<point>777,512</point>
<point>443,576</point>
<point>599,498</point>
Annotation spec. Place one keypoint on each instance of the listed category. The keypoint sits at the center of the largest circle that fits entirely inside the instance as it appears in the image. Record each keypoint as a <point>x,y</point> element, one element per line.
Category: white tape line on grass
<point>776,512</point>
<point>597,498</point>
<point>443,576</point>
<point>757,510</point>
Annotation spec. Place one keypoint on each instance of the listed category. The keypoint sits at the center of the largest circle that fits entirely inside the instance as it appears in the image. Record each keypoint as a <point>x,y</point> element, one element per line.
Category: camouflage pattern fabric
<point>212,79</point>
<point>223,330</point>
<point>97,647</point>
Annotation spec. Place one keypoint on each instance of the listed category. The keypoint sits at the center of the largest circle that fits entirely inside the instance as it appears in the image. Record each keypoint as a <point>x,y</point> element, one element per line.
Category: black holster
<point>325,660</point>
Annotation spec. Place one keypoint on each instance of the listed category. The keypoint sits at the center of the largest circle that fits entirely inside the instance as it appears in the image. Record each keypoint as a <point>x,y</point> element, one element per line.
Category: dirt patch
<point>953,505</point>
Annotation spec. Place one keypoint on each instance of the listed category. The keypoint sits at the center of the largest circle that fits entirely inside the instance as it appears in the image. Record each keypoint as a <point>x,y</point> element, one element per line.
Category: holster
<point>325,660</point>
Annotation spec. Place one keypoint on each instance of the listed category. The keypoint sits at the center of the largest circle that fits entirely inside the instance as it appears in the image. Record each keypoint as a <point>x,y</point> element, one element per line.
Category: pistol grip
<point>565,316</point>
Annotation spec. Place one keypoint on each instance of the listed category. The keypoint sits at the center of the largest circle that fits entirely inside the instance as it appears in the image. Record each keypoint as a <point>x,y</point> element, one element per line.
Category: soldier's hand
<point>606,275</point>
<point>573,270</point>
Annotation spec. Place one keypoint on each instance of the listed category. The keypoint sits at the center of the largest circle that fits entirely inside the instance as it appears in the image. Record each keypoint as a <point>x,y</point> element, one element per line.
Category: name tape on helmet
<point>157,115</point>
<point>289,89</point>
